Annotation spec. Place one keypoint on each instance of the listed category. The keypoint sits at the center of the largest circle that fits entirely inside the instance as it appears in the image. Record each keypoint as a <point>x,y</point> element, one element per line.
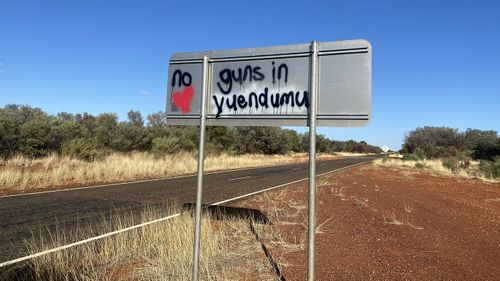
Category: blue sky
<point>434,62</point>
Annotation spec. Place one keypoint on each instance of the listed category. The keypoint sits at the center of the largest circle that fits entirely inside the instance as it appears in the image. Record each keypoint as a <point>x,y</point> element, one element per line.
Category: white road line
<point>159,220</point>
<point>285,184</point>
<point>85,241</point>
<point>240,178</point>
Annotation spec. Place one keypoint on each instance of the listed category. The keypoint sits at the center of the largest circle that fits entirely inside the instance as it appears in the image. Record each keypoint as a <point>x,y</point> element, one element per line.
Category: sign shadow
<point>251,215</point>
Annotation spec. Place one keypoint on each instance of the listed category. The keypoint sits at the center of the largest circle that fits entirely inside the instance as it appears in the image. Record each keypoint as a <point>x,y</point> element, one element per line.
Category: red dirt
<point>450,227</point>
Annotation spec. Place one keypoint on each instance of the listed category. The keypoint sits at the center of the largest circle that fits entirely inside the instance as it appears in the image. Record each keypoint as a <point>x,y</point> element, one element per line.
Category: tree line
<point>455,148</point>
<point>442,142</point>
<point>34,133</point>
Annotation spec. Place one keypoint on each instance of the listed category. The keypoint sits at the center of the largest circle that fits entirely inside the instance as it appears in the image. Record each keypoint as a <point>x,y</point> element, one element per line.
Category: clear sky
<point>434,62</point>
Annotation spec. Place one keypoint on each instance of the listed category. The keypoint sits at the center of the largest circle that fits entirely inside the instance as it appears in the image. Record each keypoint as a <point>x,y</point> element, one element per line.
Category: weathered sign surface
<point>270,86</point>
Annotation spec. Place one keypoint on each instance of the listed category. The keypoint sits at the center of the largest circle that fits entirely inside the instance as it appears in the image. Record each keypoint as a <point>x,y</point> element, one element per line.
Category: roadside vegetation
<point>40,151</point>
<point>438,167</point>
<point>446,151</point>
<point>232,248</point>
<point>21,174</point>
<point>32,133</point>
<point>365,209</point>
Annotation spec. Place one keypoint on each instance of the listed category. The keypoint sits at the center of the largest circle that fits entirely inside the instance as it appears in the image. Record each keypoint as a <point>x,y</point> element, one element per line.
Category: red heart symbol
<point>183,99</point>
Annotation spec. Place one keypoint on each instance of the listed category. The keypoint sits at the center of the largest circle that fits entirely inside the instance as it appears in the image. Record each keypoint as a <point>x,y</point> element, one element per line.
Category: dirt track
<point>379,223</point>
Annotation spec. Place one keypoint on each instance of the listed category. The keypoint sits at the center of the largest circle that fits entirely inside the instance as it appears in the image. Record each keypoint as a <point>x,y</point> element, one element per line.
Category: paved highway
<point>27,216</point>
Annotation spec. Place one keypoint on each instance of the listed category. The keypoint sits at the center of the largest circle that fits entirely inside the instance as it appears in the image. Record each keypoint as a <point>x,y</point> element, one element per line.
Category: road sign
<point>326,83</point>
<point>385,148</point>
<point>270,86</point>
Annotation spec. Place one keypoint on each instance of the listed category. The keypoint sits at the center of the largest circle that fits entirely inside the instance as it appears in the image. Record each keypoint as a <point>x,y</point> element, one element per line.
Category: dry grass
<point>352,154</point>
<point>408,208</point>
<point>361,203</point>
<point>161,251</point>
<point>339,192</point>
<point>283,214</point>
<point>391,219</point>
<point>20,174</point>
<point>436,167</point>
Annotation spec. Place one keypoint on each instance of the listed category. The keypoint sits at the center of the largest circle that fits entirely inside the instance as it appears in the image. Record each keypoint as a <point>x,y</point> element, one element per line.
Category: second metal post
<point>201,161</point>
<point>312,162</point>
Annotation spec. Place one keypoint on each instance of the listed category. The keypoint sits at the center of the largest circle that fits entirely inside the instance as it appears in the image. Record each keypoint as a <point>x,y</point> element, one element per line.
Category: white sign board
<point>271,86</point>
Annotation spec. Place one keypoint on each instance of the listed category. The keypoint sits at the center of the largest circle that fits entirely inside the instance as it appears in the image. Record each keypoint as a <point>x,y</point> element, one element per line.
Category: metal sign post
<point>201,161</point>
<point>324,84</point>
<point>311,228</point>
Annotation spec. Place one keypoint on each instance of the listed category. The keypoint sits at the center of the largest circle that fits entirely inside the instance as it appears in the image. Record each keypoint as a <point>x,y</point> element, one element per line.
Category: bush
<point>491,169</point>
<point>460,160</point>
<point>420,165</point>
<point>419,153</point>
<point>166,145</point>
<point>444,142</point>
<point>463,158</point>
<point>410,157</point>
<point>434,141</point>
<point>83,149</point>
<point>451,163</point>
<point>213,149</point>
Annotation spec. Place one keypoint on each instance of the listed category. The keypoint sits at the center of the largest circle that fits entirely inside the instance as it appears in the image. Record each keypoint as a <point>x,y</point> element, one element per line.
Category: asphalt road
<point>32,217</point>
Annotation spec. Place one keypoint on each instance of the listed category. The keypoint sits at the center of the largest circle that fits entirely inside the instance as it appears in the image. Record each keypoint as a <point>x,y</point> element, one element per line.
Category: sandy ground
<point>380,223</point>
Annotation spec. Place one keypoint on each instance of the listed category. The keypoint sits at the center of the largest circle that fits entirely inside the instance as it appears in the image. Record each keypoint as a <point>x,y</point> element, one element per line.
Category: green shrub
<point>166,145</point>
<point>491,169</point>
<point>419,153</point>
<point>385,158</point>
<point>213,149</point>
<point>451,163</point>
<point>84,149</point>
<point>410,157</point>
<point>463,158</point>
<point>420,165</point>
